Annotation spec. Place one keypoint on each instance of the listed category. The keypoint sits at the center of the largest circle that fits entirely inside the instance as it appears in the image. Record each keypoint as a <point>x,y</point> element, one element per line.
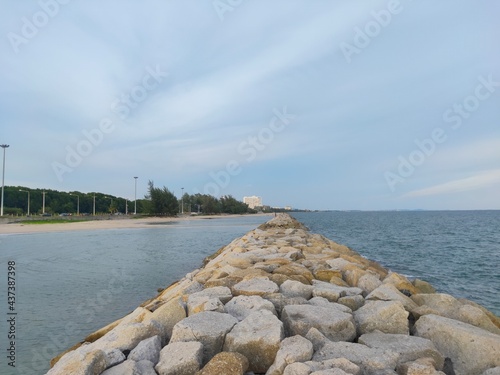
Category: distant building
<point>253,201</point>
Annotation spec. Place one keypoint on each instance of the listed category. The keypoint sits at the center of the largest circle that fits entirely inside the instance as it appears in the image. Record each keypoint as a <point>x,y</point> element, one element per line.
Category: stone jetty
<point>281,300</point>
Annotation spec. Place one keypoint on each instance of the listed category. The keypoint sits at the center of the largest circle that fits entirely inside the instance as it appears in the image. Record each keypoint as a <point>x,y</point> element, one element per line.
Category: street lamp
<point>3,176</point>
<point>43,201</point>
<point>27,191</point>
<point>77,204</point>
<point>93,207</point>
<point>182,201</point>
<point>135,196</point>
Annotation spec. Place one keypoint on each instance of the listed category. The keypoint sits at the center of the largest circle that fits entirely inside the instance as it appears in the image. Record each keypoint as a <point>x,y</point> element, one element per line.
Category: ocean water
<point>69,284</point>
<point>458,252</point>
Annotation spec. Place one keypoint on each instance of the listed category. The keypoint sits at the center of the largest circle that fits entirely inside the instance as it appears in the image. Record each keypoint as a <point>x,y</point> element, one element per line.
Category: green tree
<point>162,201</point>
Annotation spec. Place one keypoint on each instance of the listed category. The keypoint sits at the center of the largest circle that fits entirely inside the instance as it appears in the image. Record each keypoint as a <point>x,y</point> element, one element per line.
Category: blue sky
<point>313,104</point>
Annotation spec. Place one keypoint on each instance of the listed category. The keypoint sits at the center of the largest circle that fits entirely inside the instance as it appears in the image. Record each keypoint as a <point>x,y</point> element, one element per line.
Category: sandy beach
<point>121,223</point>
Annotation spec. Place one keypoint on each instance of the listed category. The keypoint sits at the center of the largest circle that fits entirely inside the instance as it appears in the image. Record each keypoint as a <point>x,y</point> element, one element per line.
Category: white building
<point>253,201</point>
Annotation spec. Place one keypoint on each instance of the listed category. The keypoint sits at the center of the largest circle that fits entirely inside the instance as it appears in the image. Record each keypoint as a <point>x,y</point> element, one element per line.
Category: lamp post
<point>135,196</point>
<point>27,191</point>
<point>93,207</point>
<point>77,204</point>
<point>182,201</point>
<point>43,201</point>
<point>3,176</point>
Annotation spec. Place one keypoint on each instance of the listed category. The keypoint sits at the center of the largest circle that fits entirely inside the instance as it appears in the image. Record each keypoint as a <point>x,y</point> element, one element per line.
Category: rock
<point>128,367</point>
<point>299,319</point>
<point>258,338</point>
<point>209,328</point>
<point>114,357</point>
<point>421,366</point>
<point>423,286</point>
<point>316,338</point>
<point>492,371</point>
<point>255,287</point>
<point>292,349</point>
<point>341,264</point>
<point>166,317</point>
<point>82,361</point>
<point>226,363</point>
<point>333,292</point>
<point>353,275</point>
<point>388,292</point>
<point>326,275</point>
<point>369,282</point>
<point>387,317</point>
<point>333,371</point>
<point>146,368</point>
<point>471,349</point>
<point>280,301</point>
<point>181,288</point>
<point>180,358</point>
<point>369,359</point>
<point>297,368</point>
<point>410,348</point>
<point>292,288</point>
<point>320,301</point>
<point>148,350</point>
<point>296,270</point>
<point>202,303</point>
<point>400,282</point>
<point>353,302</point>
<point>126,337</point>
<point>222,293</point>
<point>476,317</point>
<point>242,306</point>
<point>343,364</point>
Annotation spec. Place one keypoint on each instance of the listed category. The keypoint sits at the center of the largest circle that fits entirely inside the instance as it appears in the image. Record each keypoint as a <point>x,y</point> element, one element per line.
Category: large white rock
<point>335,324</point>
<point>258,338</point>
<point>126,337</point>
<point>209,328</point>
<point>385,316</point>
<point>369,359</point>
<point>291,288</point>
<point>148,350</point>
<point>166,317</point>
<point>471,349</point>
<point>242,306</point>
<point>410,348</point>
<point>258,286</point>
<point>292,349</point>
<point>388,292</point>
<point>333,292</point>
<point>83,361</point>
<point>180,358</point>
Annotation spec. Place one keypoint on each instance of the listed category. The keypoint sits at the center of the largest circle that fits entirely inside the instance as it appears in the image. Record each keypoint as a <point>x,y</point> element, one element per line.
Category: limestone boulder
<point>388,292</point>
<point>226,363</point>
<point>255,287</point>
<point>292,349</point>
<point>180,358</point>
<point>400,282</point>
<point>258,338</point>
<point>297,368</point>
<point>296,271</point>
<point>292,288</point>
<point>471,349</point>
<point>342,364</point>
<point>385,316</point>
<point>371,360</point>
<point>409,348</point>
<point>83,361</point>
<point>369,282</point>
<point>114,357</point>
<point>333,292</point>
<point>242,306</point>
<point>148,350</point>
<point>335,324</point>
<point>128,367</point>
<point>492,371</point>
<point>353,302</point>
<point>208,328</point>
<point>423,286</point>
<point>127,337</point>
<point>166,317</point>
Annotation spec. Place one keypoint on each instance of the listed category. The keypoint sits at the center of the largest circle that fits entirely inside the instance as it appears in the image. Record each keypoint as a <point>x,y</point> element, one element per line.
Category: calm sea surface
<point>70,284</point>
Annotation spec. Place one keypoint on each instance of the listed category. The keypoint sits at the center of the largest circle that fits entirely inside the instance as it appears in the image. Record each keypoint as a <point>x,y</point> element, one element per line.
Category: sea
<point>69,284</point>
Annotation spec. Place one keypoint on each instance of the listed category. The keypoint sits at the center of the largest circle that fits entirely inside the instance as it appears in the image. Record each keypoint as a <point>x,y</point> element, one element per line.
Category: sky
<point>314,104</point>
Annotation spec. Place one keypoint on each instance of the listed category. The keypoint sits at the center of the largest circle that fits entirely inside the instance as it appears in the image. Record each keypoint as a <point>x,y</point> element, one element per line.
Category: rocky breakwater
<point>281,300</point>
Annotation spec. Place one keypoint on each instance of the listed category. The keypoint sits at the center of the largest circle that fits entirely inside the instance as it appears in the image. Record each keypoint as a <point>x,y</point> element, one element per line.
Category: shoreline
<point>122,223</point>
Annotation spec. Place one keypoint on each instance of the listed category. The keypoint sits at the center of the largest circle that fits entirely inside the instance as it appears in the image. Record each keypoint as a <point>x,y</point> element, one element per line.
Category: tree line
<point>158,201</point>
